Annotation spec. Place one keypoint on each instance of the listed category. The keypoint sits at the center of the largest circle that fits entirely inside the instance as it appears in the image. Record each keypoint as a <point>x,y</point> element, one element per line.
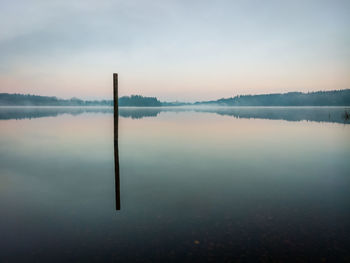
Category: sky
<point>184,50</point>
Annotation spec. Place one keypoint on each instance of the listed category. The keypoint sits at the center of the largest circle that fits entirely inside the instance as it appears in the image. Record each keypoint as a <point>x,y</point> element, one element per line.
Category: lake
<point>196,185</point>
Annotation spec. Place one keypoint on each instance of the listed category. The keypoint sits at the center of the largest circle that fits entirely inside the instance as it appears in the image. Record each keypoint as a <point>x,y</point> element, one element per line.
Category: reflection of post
<point>116,153</point>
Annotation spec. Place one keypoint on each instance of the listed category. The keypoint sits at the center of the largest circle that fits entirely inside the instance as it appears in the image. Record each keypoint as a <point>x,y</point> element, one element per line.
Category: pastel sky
<point>174,49</point>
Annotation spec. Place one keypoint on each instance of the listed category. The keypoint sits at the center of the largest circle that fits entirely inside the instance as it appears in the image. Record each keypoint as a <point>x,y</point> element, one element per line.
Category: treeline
<point>139,101</point>
<point>34,100</point>
<point>319,98</point>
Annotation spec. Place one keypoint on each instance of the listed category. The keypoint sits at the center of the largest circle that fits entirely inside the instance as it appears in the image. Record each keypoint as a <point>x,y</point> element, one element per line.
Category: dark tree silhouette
<point>319,98</point>
<point>140,101</point>
<point>34,100</point>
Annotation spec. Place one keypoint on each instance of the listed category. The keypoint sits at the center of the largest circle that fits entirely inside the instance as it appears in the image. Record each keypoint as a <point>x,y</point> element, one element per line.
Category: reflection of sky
<point>60,136</point>
<point>183,130</point>
<point>173,49</point>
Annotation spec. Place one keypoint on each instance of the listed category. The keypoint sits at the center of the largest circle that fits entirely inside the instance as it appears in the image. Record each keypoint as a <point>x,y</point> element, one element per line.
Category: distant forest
<point>319,98</point>
<point>139,101</point>
<point>34,100</point>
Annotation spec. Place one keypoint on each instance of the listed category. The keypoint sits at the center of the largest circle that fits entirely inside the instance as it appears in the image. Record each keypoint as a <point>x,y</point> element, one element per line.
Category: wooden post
<point>116,151</point>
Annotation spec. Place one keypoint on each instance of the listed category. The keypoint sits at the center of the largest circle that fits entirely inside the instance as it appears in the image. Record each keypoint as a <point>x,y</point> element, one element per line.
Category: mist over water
<point>318,114</point>
<point>196,184</point>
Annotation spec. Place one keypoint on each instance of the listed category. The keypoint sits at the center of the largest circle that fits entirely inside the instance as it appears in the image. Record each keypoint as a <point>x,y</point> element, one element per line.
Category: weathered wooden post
<point>116,152</point>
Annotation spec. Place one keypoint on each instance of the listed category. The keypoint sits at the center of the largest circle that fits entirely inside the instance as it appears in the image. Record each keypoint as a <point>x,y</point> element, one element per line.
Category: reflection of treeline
<point>34,100</point>
<point>318,114</point>
<point>139,101</point>
<point>319,98</point>
<point>136,113</point>
<point>8,113</point>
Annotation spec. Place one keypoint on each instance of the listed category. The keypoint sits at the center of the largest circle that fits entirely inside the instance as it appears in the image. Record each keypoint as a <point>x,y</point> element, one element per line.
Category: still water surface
<point>195,185</point>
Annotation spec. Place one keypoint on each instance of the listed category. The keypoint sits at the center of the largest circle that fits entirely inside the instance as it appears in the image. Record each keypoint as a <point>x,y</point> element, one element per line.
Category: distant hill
<point>139,101</point>
<point>34,100</point>
<point>319,98</point>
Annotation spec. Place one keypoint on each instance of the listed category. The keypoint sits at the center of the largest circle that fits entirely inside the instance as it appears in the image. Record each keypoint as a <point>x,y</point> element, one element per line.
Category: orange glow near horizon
<point>168,88</point>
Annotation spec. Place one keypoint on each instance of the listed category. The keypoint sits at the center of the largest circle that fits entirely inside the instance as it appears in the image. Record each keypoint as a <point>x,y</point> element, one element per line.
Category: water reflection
<point>8,113</point>
<point>318,114</point>
<point>139,113</point>
<point>116,160</point>
<point>196,186</point>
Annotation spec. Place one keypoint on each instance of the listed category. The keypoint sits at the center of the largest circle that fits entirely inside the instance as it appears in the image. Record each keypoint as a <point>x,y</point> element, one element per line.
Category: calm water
<point>196,185</point>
